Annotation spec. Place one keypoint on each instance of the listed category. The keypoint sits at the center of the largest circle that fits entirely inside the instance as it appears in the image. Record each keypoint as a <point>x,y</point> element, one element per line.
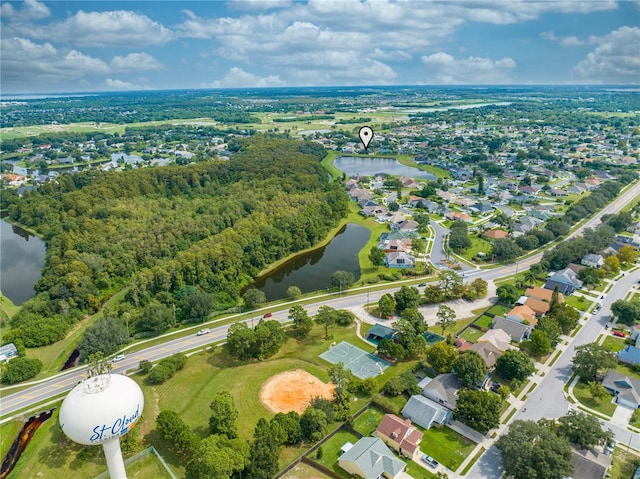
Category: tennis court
<point>432,338</point>
<point>362,364</point>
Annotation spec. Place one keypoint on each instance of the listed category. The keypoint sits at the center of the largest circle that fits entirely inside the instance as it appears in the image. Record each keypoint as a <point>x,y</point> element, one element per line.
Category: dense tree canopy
<point>469,368</point>
<point>532,451</point>
<point>213,225</point>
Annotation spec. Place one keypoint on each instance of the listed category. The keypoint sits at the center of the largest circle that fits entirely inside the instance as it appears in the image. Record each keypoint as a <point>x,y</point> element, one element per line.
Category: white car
<point>202,331</point>
<point>119,357</point>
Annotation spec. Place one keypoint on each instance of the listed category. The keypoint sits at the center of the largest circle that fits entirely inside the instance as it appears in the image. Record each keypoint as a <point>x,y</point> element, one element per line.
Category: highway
<point>43,390</point>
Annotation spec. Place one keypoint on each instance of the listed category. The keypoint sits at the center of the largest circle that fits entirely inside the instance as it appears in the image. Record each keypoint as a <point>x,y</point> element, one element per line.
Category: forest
<point>170,232</point>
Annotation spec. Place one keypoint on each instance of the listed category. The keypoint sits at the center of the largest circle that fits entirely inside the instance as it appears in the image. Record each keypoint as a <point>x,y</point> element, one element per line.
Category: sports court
<point>362,364</point>
<point>432,338</point>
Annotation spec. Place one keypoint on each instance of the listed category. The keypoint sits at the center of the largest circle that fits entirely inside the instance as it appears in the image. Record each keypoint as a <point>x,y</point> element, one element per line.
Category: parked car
<point>422,285</point>
<point>203,331</point>
<point>620,334</point>
<point>119,357</point>
<point>597,308</point>
<point>267,315</point>
<point>430,461</point>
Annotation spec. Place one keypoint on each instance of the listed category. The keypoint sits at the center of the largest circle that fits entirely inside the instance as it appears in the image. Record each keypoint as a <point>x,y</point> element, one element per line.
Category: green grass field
<point>624,464</point>
<point>484,321</point>
<point>331,451</point>
<point>613,344</point>
<point>578,302</point>
<point>446,446</point>
<point>471,334</point>
<point>604,406</point>
<point>478,245</point>
<point>367,422</point>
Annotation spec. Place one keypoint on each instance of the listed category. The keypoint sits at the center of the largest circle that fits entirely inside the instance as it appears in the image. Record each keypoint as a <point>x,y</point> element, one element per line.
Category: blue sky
<point>109,45</point>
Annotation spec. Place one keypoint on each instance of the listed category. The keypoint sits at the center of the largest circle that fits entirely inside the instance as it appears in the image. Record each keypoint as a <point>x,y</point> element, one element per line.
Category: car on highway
<point>597,308</point>
<point>203,331</point>
<point>430,461</point>
<point>267,315</point>
<point>119,357</point>
<point>620,334</point>
<point>421,285</point>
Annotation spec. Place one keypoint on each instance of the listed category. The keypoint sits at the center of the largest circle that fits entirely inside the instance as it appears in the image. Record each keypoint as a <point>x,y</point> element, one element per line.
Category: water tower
<point>99,410</point>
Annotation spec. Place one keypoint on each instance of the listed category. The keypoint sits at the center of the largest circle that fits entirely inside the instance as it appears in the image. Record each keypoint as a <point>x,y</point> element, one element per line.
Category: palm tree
<point>530,277</point>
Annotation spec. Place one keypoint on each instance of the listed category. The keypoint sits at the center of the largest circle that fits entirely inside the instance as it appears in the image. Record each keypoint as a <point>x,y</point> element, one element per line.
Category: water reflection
<point>312,271</point>
<point>21,261</point>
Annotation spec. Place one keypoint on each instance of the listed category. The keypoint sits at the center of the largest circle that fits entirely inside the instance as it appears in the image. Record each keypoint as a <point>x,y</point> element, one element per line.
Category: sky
<point>77,46</point>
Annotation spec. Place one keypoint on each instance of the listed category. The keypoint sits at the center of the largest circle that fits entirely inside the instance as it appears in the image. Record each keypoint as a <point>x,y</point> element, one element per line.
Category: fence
<point>140,455</point>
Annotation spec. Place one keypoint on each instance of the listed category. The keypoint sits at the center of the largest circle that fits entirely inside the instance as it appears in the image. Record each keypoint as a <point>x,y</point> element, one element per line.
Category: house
<point>496,234</point>
<point>455,215</point>
<point>516,330</point>
<point>379,332</point>
<point>482,208</point>
<point>443,389</point>
<point>626,390</point>
<point>633,240</point>
<point>523,313</point>
<point>397,246</point>
<point>400,435</point>
<point>566,280</point>
<point>540,308</point>
<point>425,412</point>
<point>369,458</point>
<point>408,226</point>
<point>8,352</point>
<point>488,352</point>
<point>498,338</point>
<point>542,294</point>
<point>593,260</point>
<point>629,355</point>
<point>589,464</point>
<point>399,260</point>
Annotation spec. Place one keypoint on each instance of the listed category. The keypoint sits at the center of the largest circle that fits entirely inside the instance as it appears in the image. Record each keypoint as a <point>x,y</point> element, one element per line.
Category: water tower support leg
<point>115,463</point>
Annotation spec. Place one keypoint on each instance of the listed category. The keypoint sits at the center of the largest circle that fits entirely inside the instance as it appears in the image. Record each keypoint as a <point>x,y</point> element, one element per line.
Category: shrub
<point>20,369</point>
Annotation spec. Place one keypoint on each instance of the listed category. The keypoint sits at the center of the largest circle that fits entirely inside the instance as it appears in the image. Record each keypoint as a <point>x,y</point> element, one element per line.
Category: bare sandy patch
<point>293,391</point>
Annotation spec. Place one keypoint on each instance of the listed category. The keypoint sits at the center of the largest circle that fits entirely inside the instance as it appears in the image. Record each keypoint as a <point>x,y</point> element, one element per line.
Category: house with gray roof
<point>443,390</point>
<point>593,260</point>
<point>399,260</point>
<point>589,464</point>
<point>425,412</point>
<point>629,355</point>
<point>566,280</point>
<point>369,458</point>
<point>625,389</point>
<point>517,330</point>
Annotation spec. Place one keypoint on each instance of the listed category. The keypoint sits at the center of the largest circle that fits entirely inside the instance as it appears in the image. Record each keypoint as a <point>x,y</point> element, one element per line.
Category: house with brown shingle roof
<point>496,234</point>
<point>540,308</point>
<point>542,294</point>
<point>523,313</point>
<point>400,435</point>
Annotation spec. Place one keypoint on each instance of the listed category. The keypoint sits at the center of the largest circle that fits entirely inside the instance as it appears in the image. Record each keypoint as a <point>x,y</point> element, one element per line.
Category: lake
<point>312,271</point>
<point>21,261</point>
<point>353,165</point>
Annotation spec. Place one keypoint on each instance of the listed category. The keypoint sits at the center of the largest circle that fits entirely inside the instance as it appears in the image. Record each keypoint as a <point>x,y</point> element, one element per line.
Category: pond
<point>22,260</point>
<point>353,165</point>
<point>312,271</point>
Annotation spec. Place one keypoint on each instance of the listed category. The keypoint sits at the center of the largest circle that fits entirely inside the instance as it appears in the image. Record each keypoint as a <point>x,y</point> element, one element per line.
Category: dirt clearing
<point>293,391</point>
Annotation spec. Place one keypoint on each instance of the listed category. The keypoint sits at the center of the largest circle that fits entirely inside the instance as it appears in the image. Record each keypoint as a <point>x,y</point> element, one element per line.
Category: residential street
<point>548,398</point>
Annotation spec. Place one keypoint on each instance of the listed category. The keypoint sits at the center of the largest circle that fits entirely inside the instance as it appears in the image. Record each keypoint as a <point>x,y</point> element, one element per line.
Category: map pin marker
<point>366,135</point>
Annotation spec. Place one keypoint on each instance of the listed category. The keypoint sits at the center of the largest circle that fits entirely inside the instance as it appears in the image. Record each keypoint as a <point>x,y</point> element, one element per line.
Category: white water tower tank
<point>98,411</point>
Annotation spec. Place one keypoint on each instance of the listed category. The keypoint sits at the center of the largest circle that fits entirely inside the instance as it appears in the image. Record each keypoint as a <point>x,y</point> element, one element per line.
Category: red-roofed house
<point>523,313</point>
<point>400,435</point>
<point>540,308</point>
<point>542,294</point>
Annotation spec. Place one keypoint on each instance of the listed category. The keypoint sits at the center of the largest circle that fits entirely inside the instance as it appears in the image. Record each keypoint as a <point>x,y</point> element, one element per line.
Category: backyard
<point>446,446</point>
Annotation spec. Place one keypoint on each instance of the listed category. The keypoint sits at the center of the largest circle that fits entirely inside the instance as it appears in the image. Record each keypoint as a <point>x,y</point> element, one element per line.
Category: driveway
<point>621,416</point>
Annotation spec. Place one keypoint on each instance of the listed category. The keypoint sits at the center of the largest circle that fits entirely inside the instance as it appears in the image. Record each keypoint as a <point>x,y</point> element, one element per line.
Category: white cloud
<point>136,61</point>
<point>114,84</point>
<point>25,62</point>
<point>238,78</point>
<point>571,41</point>
<point>444,69</point>
<point>103,29</point>
<point>614,60</point>
<point>31,10</point>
